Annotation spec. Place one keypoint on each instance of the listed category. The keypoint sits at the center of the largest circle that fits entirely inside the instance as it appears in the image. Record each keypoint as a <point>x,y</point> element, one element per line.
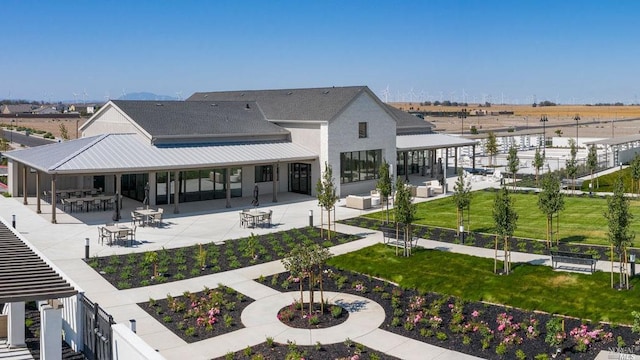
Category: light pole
<point>462,115</point>
<point>543,120</point>
<point>11,136</point>
<point>577,118</point>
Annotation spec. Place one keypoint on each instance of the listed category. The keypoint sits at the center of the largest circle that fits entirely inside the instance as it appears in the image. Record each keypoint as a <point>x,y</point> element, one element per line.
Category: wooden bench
<point>396,238</point>
<point>572,258</point>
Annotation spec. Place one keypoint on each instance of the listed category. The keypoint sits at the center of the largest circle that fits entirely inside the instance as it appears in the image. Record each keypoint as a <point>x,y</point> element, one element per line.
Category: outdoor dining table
<point>147,213</point>
<point>114,230</point>
<point>88,200</point>
<point>253,216</point>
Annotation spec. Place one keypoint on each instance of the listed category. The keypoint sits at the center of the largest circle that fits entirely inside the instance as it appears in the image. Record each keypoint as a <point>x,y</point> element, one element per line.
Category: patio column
<point>227,186</point>
<point>119,189</point>
<point>153,189</point>
<point>455,159</point>
<point>176,192</point>
<point>24,185</point>
<point>50,327</point>
<point>54,199</point>
<point>275,182</point>
<point>473,156</point>
<point>406,166</point>
<point>15,325</point>
<point>432,160</point>
<point>38,211</point>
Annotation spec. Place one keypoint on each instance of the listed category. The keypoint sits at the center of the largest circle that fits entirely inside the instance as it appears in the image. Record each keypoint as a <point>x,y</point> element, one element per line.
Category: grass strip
<point>530,287</point>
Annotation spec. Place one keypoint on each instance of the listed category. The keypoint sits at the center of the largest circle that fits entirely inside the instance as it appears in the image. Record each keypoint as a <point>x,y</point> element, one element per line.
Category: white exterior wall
<point>112,121</point>
<point>342,136</point>
<point>305,135</point>
<point>127,345</point>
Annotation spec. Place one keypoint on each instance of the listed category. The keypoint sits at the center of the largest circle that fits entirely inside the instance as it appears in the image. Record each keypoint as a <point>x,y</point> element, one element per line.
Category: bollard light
<point>310,217</point>
<point>86,248</point>
<point>13,221</point>
<point>132,324</point>
<point>462,234</point>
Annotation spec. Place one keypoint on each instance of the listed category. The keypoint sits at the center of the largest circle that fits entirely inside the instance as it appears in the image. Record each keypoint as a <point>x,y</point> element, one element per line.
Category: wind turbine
<point>75,98</point>
<point>84,97</point>
<point>179,95</point>
<point>385,94</point>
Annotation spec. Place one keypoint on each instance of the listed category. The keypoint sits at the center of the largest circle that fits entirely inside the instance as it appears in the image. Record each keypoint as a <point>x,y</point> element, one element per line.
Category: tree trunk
<point>321,292</point>
<point>321,223</point>
<point>301,294</point>
<point>506,255</point>
<point>495,256</point>
<point>612,266</point>
<point>311,302</point>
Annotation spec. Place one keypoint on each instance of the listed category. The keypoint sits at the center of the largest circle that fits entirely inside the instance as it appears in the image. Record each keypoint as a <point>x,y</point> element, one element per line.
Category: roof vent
<point>158,104</point>
<point>242,94</point>
<point>214,104</point>
<point>289,93</point>
<point>205,95</point>
<point>325,92</point>
<point>246,107</point>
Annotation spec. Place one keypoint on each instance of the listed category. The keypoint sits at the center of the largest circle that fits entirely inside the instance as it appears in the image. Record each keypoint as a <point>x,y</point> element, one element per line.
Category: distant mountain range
<point>146,96</point>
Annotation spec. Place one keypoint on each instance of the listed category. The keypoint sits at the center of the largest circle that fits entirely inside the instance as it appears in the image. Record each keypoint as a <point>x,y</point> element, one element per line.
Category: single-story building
<point>221,145</point>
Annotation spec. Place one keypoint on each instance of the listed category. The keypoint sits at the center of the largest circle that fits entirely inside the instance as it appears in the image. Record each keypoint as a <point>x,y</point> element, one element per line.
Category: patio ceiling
<point>25,276</point>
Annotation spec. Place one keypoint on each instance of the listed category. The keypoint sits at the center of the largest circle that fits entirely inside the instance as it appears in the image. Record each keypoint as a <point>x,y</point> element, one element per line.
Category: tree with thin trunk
<point>550,202</point>
<point>538,163</point>
<point>384,184</point>
<point>620,236</point>
<point>572,164</point>
<point>326,193</point>
<point>513,163</point>
<point>635,174</point>
<point>505,219</point>
<point>404,213</point>
<point>491,147</point>
<point>319,256</point>
<point>461,198</point>
<point>592,162</point>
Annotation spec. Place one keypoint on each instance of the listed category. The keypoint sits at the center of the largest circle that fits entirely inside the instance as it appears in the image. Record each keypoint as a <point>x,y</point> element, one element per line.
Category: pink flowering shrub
<point>508,329</point>
<point>584,337</point>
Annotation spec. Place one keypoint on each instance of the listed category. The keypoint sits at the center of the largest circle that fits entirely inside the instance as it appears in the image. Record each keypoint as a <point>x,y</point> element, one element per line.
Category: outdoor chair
<point>266,219</point>
<point>132,234</point>
<point>103,234</point>
<point>136,219</point>
<point>66,204</point>
<point>157,219</point>
<point>243,220</point>
<point>122,235</point>
<point>79,204</point>
<point>46,196</point>
<point>96,204</point>
<point>111,203</point>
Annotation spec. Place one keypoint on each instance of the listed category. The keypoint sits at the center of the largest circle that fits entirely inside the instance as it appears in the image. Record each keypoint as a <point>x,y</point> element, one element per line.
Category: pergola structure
<point>618,150</point>
<point>27,276</point>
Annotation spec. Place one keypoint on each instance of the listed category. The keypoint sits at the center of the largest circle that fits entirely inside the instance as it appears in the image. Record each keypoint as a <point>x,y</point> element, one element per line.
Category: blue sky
<point>511,51</point>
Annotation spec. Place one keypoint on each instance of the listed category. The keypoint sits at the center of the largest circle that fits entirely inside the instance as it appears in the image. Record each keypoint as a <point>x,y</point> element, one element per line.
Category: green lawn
<point>581,221</point>
<point>529,287</point>
<point>605,183</point>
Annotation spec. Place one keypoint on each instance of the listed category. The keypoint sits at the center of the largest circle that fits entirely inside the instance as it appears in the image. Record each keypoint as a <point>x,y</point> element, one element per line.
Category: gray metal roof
<point>111,153</point>
<point>430,141</point>
<point>25,276</point>
<point>616,140</point>
<point>314,104</point>
<point>199,119</point>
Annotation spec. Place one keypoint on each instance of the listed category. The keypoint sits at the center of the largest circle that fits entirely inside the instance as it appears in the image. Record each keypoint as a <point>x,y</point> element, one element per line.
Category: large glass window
<point>359,165</point>
<point>264,173</point>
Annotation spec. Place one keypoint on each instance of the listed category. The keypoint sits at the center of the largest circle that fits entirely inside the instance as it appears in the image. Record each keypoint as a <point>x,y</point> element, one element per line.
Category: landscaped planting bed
<point>201,315</point>
<point>271,350</point>
<point>149,268</point>
<point>476,328</point>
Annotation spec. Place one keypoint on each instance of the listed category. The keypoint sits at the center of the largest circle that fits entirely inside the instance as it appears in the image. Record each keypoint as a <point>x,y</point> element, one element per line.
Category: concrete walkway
<point>205,222</point>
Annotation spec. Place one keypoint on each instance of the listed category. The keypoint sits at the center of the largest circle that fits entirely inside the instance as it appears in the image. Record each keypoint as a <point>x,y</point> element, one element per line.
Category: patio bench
<point>396,238</point>
<point>572,258</point>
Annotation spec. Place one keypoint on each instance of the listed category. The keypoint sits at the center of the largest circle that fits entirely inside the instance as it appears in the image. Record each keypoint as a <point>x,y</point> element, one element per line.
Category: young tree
<point>404,213</point>
<point>513,163</point>
<point>620,236</point>
<point>550,202</point>
<point>461,198</point>
<point>326,192</point>
<point>572,163</point>
<point>592,163</point>
<point>64,133</point>
<point>319,256</point>
<point>505,219</point>
<point>491,146</point>
<point>635,173</point>
<point>298,263</point>
<point>384,183</point>
<point>538,163</point>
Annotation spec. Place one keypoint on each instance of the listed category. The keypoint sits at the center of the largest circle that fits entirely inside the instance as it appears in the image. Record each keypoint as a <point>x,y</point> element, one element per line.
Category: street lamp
<point>577,118</point>
<point>11,136</point>
<point>462,115</point>
<point>543,120</point>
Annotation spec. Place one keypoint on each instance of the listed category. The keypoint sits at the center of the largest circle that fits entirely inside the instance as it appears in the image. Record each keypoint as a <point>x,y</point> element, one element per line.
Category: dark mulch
<point>136,269</point>
<point>484,240</point>
<point>300,318</point>
<point>459,327</point>
<point>202,315</point>
<point>274,351</point>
